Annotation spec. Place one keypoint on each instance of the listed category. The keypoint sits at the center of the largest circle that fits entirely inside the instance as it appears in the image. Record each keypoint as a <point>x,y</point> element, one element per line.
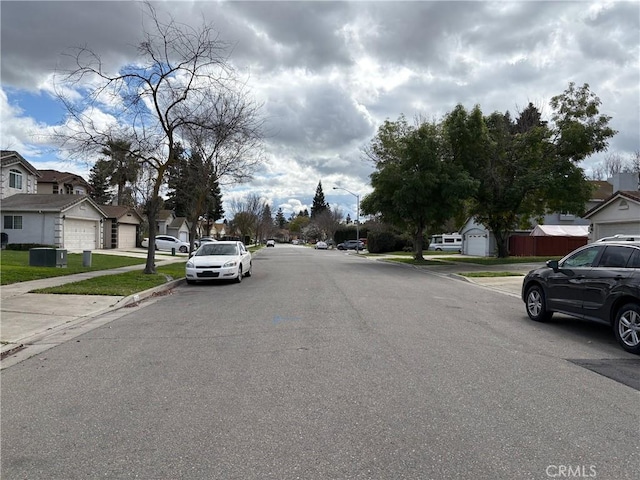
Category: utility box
<point>47,257</point>
<point>86,258</point>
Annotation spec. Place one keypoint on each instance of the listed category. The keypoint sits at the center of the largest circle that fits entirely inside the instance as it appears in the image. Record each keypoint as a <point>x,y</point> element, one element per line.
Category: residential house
<point>618,214</point>
<point>16,174</point>
<point>121,226</point>
<point>169,224</point>
<point>64,183</point>
<point>72,222</point>
<point>479,241</point>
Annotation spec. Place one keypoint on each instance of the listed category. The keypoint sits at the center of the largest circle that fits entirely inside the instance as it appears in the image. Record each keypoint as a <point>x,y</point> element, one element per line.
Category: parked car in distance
<point>598,282</point>
<point>202,240</point>
<point>226,260</point>
<point>167,242</point>
<point>271,243</point>
<point>351,245</point>
<point>321,245</point>
<point>446,242</point>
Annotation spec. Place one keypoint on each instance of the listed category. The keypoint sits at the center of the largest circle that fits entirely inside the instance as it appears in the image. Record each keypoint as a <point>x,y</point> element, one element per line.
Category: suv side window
<point>634,262</point>
<point>583,258</point>
<point>615,257</point>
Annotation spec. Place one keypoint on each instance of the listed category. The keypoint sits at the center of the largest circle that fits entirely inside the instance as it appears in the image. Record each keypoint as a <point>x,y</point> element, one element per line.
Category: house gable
<point>16,175</point>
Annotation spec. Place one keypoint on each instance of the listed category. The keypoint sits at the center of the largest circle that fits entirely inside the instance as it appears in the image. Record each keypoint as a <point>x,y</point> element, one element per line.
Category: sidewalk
<point>25,316</point>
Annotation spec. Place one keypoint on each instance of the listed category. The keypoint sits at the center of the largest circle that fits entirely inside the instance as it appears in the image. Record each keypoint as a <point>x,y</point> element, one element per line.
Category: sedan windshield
<point>217,249</point>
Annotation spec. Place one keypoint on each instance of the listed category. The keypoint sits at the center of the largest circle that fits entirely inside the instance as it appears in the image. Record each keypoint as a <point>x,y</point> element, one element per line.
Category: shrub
<point>382,242</point>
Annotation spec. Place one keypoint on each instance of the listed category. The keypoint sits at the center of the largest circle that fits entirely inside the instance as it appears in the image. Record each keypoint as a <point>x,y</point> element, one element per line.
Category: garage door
<point>476,245</point>
<point>126,236</point>
<point>80,234</point>
<point>611,229</point>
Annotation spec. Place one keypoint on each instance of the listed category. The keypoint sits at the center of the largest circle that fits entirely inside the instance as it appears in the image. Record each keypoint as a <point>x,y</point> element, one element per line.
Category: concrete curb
<point>9,349</point>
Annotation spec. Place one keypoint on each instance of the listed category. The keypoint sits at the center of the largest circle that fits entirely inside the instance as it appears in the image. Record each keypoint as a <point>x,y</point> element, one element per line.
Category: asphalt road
<point>323,366</point>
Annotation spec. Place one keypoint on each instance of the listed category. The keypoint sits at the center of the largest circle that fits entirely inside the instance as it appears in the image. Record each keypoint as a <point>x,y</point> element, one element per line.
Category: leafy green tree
<point>417,184</point>
<point>526,168</point>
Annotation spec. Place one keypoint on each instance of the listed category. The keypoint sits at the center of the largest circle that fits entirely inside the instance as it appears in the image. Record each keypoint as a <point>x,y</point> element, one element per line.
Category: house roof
<point>164,214</point>
<point>118,211</point>
<point>633,195</point>
<point>9,158</point>
<point>45,202</point>
<point>602,190</point>
<point>54,176</point>
<point>178,222</point>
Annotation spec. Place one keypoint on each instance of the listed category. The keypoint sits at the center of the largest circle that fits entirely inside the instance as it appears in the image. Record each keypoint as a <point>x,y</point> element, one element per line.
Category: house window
<point>13,222</point>
<point>15,179</point>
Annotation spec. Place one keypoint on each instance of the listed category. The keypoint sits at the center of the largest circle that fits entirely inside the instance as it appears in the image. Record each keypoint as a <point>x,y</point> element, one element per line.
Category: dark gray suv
<point>599,282</point>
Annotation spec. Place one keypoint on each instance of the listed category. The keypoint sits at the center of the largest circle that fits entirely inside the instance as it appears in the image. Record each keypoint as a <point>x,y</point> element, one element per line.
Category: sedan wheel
<point>536,305</point>
<point>239,277</point>
<point>627,327</point>
<point>183,249</point>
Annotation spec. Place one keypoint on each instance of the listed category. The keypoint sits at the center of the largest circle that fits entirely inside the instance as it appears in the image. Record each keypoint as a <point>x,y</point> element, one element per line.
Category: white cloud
<point>329,73</point>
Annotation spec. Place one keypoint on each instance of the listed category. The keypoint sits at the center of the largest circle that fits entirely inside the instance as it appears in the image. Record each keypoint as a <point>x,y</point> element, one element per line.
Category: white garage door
<point>611,229</point>
<point>126,236</point>
<point>80,234</point>
<point>476,245</point>
<point>184,236</point>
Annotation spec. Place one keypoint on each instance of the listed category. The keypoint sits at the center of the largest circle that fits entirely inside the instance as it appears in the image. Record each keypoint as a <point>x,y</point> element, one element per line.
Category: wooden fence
<point>521,246</point>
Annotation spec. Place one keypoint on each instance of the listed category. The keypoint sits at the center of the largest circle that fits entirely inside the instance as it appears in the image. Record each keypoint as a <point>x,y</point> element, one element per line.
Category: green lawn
<point>14,266</point>
<point>121,284</point>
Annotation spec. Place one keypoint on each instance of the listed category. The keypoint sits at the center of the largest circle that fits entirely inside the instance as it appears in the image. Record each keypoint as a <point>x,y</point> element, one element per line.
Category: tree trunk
<point>418,243</point>
<point>152,210</point>
<point>502,243</point>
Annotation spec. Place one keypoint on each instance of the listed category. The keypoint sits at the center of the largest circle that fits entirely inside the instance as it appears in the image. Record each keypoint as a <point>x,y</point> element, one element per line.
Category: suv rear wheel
<point>627,327</point>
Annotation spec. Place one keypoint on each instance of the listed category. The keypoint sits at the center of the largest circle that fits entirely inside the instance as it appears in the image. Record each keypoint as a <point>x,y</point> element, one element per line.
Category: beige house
<point>618,214</point>
<point>121,226</point>
<point>16,175</point>
<point>62,183</point>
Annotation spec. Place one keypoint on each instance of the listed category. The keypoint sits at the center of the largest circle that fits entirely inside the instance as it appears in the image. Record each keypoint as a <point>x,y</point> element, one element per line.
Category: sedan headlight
<point>230,263</point>
<point>190,264</point>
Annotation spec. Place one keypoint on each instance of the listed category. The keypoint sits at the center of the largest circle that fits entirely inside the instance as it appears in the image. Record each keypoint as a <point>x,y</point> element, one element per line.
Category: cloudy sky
<point>328,73</point>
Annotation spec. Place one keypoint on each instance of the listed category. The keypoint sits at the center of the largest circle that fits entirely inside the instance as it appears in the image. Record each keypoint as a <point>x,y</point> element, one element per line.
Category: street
<point>323,365</point>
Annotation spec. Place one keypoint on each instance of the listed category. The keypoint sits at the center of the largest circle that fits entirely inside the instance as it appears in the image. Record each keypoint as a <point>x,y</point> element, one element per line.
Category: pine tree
<point>99,181</point>
<point>280,221</point>
<point>319,204</point>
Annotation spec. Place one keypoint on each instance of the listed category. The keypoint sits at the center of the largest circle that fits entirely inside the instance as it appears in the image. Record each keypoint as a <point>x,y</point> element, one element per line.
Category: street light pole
<point>357,214</point>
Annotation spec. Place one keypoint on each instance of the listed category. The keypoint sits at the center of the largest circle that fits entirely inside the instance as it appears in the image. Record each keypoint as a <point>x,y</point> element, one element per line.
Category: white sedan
<point>228,260</point>
<point>167,242</point>
<point>321,245</point>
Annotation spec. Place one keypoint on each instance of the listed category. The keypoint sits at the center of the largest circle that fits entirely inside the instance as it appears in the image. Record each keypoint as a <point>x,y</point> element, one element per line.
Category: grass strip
<point>121,284</point>
<point>412,261</point>
<point>14,266</point>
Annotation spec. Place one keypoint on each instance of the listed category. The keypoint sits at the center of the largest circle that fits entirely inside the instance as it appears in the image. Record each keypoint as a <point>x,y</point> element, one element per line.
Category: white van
<point>446,242</point>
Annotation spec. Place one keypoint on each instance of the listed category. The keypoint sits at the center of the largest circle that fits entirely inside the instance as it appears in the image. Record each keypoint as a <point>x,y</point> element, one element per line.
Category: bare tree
<point>247,214</point>
<point>179,73</point>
